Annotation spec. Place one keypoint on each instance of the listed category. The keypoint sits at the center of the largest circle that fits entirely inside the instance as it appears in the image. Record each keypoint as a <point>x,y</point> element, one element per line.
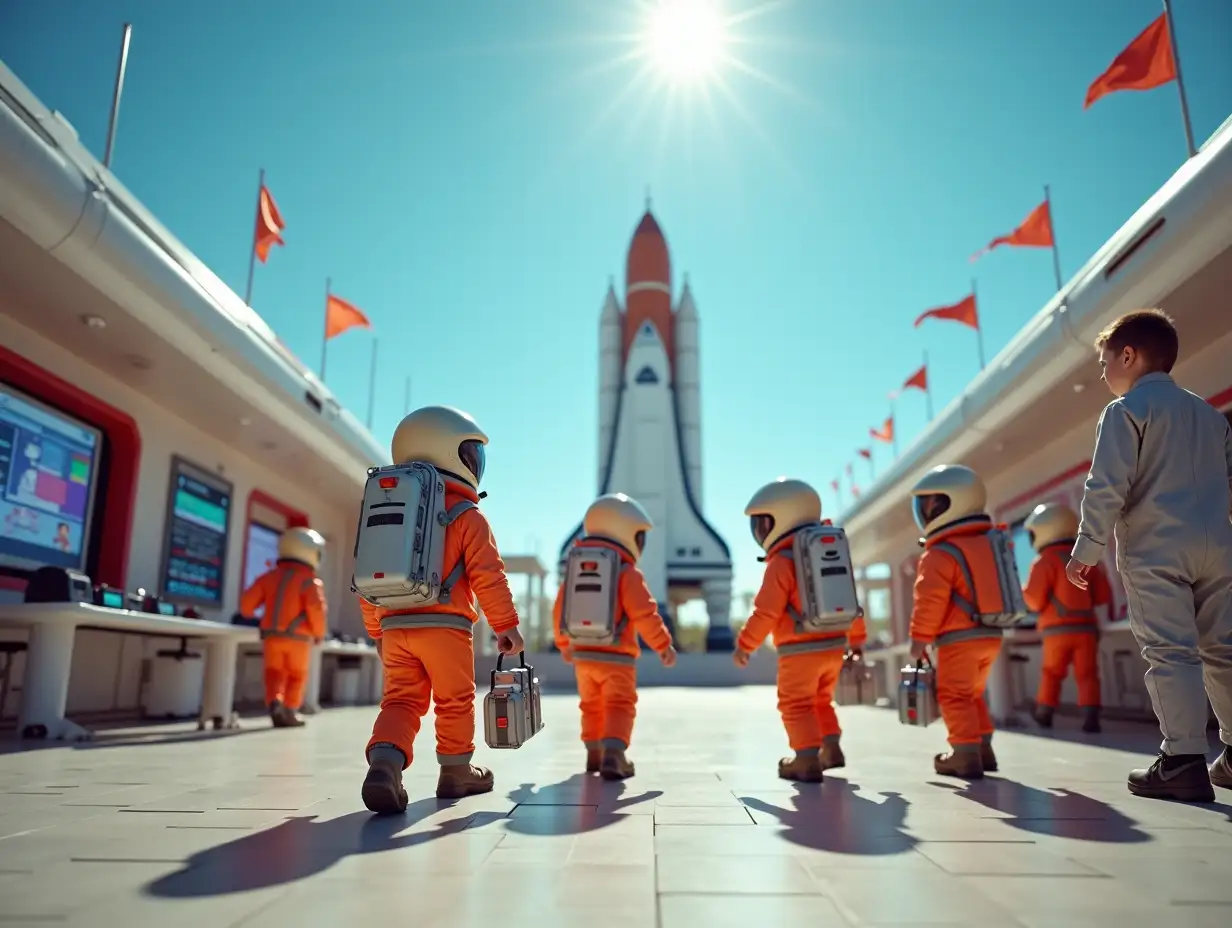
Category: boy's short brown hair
<point>1150,332</point>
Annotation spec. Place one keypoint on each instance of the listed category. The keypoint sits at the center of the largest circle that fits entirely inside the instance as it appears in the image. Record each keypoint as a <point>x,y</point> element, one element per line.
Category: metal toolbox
<point>512,712</point>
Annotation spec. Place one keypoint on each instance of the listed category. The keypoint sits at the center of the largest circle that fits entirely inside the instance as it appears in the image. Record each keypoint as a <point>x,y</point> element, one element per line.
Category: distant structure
<point>650,435</point>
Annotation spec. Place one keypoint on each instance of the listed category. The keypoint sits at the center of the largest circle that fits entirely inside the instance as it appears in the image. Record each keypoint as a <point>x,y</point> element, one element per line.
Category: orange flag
<point>269,225</point>
<point>1035,232</point>
<point>865,453</point>
<point>341,315</point>
<point>919,379</point>
<point>886,432</point>
<point>963,311</point>
<point>1145,64</point>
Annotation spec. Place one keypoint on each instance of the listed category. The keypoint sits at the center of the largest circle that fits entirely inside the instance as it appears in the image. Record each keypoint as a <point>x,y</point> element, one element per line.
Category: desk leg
<point>44,697</point>
<point>999,693</point>
<point>218,701</point>
<point>378,680</point>
<point>312,688</point>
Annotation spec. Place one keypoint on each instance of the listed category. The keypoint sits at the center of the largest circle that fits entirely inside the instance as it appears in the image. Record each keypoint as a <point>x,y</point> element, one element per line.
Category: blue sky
<point>470,174</point>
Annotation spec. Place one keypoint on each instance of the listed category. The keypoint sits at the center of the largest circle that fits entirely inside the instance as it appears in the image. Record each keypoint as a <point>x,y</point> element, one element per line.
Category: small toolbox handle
<point>521,657</point>
<point>500,659</point>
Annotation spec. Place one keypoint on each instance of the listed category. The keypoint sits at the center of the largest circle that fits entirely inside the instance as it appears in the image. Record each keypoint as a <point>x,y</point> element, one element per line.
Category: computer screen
<point>195,545</point>
<point>1024,554</point>
<point>48,474</point>
<point>262,555</point>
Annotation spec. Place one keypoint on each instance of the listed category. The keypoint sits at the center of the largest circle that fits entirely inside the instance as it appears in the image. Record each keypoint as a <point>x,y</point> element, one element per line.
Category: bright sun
<point>686,39</point>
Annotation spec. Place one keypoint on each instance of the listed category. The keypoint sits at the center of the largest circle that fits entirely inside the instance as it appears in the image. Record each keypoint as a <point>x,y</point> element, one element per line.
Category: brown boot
<point>987,757</point>
<point>382,790</point>
<point>615,766</point>
<point>460,780</point>
<point>832,755</point>
<point>284,717</point>
<point>594,757</point>
<point>964,764</point>
<point>803,768</point>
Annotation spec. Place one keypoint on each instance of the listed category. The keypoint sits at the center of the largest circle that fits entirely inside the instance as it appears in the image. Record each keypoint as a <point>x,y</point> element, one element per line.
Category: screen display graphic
<point>198,519</point>
<point>48,471</point>
<point>262,555</point>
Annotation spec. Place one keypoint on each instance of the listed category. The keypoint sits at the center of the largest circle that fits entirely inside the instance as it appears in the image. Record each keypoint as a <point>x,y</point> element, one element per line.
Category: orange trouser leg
<point>449,657</point>
<point>609,703</point>
<point>1086,668</point>
<point>590,696</point>
<point>275,676</point>
<point>962,676</point>
<point>422,663</point>
<point>806,697</point>
<point>286,670</point>
<point>1056,653</point>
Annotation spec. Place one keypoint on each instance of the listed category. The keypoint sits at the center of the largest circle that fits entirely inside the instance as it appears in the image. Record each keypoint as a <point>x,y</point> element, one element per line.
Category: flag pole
<point>872,473</point>
<point>121,69</point>
<point>1180,83</point>
<point>979,329</point>
<point>1052,228</point>
<point>252,252</point>
<point>325,332</point>
<point>893,430</point>
<point>928,390</point>
<point>372,384</point>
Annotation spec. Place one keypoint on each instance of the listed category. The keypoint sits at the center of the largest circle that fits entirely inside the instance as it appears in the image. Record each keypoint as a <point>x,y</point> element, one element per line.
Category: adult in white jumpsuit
<point>1161,477</point>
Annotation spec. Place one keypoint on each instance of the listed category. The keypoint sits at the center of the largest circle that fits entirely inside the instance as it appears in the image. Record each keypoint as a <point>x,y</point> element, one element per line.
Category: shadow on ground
<point>299,848</point>
<point>583,802</point>
<point>838,817</point>
<point>1057,811</point>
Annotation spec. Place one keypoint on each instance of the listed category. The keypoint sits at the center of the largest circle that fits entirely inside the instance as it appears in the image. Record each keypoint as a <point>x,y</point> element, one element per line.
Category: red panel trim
<point>117,501</point>
<point>13,583</point>
<point>1046,487</point>
<point>1219,401</point>
<point>295,518</point>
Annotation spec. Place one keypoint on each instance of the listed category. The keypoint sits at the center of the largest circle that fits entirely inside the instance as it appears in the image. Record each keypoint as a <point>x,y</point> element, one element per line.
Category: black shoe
<point>988,757</point>
<point>1221,770</point>
<point>1043,716</point>
<point>382,790</point>
<point>1090,720</point>
<point>1180,777</point>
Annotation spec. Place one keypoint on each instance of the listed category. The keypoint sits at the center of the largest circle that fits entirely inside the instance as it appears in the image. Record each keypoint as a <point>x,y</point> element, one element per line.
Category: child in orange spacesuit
<point>809,663</point>
<point>948,505</point>
<point>428,651</point>
<point>597,632</point>
<point>1067,623</point>
<point>295,618</point>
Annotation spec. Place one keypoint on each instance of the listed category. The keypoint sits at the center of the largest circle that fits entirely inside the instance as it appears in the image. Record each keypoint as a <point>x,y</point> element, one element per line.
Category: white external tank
<point>688,392</point>
<point>610,328</point>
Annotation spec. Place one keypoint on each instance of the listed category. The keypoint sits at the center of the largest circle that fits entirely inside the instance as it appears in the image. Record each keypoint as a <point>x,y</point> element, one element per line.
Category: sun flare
<point>686,39</point>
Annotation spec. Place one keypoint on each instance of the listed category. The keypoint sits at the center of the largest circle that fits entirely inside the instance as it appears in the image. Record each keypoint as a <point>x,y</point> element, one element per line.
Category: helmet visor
<point>473,458</point>
<point>761,525</point>
<point>640,540</point>
<point>928,507</point>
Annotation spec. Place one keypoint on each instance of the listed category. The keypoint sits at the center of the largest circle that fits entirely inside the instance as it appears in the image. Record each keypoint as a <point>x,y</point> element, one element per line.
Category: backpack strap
<point>791,610</point>
<point>622,619</point>
<point>965,569</point>
<point>446,519</point>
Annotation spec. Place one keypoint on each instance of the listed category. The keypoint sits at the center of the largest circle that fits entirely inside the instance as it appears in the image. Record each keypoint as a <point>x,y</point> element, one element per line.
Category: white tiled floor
<point>265,829</point>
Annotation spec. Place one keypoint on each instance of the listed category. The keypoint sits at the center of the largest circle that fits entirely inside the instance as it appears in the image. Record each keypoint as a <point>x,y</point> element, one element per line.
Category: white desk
<point>372,678</point>
<point>49,660</point>
<point>372,675</point>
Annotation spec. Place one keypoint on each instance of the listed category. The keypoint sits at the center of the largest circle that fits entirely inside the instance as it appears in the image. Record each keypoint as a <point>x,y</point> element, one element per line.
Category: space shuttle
<point>650,443</point>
